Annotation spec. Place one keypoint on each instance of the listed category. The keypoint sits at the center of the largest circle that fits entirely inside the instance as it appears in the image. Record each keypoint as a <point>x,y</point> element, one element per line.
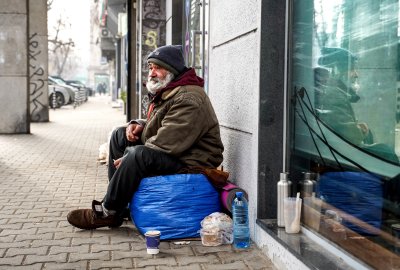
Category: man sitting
<point>181,132</point>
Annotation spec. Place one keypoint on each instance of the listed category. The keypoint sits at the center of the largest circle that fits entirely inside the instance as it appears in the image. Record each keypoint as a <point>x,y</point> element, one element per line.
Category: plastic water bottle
<point>241,231</point>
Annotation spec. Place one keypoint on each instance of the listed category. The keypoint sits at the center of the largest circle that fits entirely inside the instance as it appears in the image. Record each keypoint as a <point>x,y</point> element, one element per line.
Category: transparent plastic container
<point>241,230</point>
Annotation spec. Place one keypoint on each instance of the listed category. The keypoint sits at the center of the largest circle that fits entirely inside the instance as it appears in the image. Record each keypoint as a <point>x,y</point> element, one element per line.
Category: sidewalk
<point>53,170</point>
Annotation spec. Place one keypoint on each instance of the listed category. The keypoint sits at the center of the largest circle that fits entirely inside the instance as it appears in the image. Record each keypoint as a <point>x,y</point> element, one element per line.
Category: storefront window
<point>344,125</point>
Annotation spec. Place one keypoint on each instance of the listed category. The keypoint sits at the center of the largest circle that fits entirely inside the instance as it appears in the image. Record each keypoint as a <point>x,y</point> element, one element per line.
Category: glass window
<point>345,130</point>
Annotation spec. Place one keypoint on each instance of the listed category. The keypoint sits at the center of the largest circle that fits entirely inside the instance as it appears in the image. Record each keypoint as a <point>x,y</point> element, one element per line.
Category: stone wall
<point>38,61</point>
<point>14,94</point>
<point>234,88</point>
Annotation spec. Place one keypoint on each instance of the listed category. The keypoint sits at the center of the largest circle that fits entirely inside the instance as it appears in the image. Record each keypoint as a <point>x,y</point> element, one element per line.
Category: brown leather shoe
<point>89,219</point>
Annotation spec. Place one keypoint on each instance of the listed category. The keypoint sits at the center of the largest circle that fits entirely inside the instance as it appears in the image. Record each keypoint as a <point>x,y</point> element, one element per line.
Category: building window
<point>344,124</point>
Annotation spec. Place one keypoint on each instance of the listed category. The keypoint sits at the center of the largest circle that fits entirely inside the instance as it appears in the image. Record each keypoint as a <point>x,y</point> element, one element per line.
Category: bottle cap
<point>309,176</point>
<point>239,194</point>
<point>284,175</point>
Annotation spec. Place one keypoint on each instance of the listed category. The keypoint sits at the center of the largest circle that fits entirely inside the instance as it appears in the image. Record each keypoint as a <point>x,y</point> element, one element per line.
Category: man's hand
<point>133,132</point>
<point>363,127</point>
<point>117,162</point>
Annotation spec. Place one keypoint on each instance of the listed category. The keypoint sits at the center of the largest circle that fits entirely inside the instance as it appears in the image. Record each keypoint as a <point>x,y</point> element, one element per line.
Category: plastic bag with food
<point>216,229</point>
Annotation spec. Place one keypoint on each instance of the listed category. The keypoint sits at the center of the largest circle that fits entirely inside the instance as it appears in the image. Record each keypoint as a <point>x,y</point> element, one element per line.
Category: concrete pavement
<point>53,170</point>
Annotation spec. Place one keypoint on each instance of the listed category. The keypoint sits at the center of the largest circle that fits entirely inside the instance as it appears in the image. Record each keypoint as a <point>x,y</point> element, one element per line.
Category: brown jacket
<point>183,123</point>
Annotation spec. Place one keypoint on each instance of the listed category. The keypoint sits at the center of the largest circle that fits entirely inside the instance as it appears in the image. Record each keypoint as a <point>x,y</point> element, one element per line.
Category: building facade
<point>304,87</point>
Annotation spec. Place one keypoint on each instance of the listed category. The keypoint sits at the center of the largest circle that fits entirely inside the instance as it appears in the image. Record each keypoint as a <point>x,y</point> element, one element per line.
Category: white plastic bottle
<point>241,230</point>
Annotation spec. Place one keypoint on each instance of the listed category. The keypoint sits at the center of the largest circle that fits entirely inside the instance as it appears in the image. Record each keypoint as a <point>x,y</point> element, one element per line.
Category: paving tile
<point>111,247</point>
<point>76,257</point>
<point>230,266</point>
<point>26,251</point>
<point>59,258</point>
<point>36,266</point>
<point>149,260</point>
<point>186,250</point>
<point>51,242</point>
<point>186,267</point>
<point>75,249</point>
<point>123,264</point>
<point>11,261</point>
<point>66,266</point>
<point>21,244</point>
<point>186,260</point>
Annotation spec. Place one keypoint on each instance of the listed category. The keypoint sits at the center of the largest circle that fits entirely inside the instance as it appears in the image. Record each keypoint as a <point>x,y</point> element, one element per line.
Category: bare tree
<point>59,49</point>
<point>49,3</point>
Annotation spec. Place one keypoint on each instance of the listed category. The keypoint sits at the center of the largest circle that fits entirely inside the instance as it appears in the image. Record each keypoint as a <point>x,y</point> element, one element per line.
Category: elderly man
<point>181,131</point>
<point>337,94</point>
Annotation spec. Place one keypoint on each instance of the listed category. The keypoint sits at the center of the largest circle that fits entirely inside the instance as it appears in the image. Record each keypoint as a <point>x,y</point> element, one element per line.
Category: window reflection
<point>336,89</point>
<point>345,75</point>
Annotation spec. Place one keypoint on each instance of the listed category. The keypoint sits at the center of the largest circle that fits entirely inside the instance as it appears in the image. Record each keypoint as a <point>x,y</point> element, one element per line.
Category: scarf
<point>188,77</point>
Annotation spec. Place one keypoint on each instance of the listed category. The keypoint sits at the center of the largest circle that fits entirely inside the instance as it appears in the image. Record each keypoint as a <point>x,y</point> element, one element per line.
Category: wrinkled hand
<point>117,162</point>
<point>133,132</point>
<point>363,127</point>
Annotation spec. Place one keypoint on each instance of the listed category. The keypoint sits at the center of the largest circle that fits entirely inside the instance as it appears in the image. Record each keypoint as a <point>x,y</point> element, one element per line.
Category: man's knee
<point>118,141</point>
<point>135,153</point>
<point>118,133</point>
<point>144,156</point>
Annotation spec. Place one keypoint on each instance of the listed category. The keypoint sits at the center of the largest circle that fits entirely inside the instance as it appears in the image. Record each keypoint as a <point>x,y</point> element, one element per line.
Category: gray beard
<point>154,84</point>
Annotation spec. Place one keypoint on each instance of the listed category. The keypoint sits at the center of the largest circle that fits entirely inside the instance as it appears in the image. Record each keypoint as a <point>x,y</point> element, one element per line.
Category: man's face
<point>158,78</point>
<point>349,76</point>
<point>353,79</point>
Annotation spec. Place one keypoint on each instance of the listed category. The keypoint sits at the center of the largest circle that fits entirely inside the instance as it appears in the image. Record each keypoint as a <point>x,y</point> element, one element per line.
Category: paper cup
<point>152,241</point>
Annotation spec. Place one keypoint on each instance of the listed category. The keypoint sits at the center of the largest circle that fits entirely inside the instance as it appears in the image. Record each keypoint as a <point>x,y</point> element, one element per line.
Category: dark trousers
<point>138,162</point>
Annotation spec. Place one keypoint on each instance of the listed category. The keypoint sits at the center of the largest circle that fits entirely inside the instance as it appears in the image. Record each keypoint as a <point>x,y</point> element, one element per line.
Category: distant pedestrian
<point>100,88</point>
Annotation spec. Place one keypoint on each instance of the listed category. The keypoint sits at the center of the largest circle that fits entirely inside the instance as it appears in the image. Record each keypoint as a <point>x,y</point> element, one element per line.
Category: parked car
<point>81,92</point>
<point>87,91</point>
<point>73,92</point>
<point>58,96</point>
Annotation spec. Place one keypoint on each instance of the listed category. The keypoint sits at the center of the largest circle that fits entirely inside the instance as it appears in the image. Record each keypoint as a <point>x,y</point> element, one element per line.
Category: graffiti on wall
<point>37,82</point>
<point>153,34</point>
<point>151,39</point>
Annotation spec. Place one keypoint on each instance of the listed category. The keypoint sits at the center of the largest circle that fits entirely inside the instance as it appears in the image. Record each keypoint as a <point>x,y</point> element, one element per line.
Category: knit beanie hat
<point>169,57</point>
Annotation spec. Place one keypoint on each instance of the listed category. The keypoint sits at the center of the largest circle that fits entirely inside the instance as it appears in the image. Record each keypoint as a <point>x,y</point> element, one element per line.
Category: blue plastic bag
<point>173,204</point>
<point>356,193</point>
